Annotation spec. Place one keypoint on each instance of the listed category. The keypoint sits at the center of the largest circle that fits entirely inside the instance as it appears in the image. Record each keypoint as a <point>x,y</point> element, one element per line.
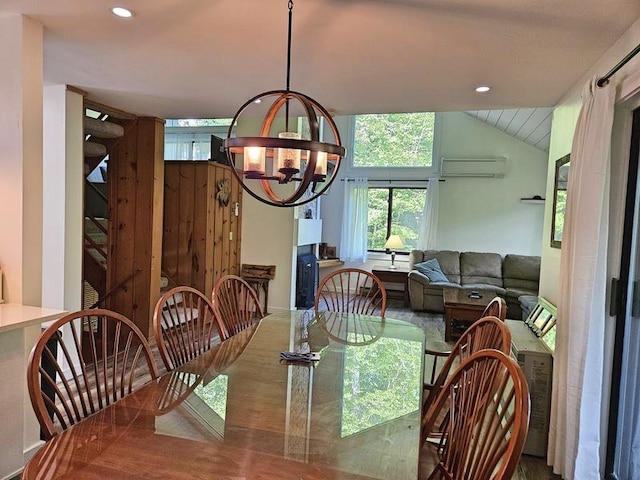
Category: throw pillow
<point>431,268</point>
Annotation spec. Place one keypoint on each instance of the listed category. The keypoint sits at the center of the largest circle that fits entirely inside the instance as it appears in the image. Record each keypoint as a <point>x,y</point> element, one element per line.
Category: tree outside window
<point>394,140</point>
<point>395,211</point>
<point>384,144</point>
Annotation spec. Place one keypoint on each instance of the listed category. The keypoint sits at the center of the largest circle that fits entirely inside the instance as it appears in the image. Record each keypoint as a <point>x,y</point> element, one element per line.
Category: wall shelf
<point>532,200</point>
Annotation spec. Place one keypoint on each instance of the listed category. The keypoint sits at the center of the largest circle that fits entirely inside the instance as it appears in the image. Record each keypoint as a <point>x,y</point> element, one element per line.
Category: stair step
<point>93,149</point>
<point>102,129</point>
<point>90,228</point>
<point>97,257</point>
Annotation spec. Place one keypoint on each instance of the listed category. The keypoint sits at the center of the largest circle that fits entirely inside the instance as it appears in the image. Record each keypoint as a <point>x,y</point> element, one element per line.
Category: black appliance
<point>306,280</point>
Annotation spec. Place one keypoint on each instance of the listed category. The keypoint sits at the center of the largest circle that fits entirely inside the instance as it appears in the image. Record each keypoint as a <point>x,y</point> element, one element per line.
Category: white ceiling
<point>190,59</point>
<point>531,125</point>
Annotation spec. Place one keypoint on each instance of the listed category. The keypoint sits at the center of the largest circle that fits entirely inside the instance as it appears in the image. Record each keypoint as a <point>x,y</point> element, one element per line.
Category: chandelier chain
<point>289,44</point>
<point>286,120</point>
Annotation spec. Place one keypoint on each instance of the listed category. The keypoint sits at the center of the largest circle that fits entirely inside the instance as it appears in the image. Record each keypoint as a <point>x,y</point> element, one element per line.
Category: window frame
<point>392,173</point>
<point>394,186</point>
<point>217,130</point>
<point>397,177</point>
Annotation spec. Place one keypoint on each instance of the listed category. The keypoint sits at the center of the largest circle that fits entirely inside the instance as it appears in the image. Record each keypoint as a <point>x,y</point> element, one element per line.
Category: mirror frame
<point>556,240</point>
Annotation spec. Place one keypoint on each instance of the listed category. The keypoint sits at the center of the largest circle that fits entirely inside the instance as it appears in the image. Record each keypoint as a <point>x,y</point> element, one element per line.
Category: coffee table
<point>460,310</point>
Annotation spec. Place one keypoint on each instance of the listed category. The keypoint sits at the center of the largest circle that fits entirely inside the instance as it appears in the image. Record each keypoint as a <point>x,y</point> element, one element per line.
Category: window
<point>394,210</point>
<point>190,139</point>
<point>399,149</point>
<point>394,140</point>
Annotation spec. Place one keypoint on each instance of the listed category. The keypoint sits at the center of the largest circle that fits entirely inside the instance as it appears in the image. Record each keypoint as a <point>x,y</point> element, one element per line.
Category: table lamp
<point>393,243</point>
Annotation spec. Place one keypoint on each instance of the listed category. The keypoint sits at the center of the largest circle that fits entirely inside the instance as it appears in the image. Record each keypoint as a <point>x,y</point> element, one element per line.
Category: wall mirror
<point>559,200</point>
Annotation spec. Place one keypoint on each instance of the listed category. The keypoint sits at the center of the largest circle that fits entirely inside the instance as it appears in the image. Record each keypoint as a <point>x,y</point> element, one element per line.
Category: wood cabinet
<point>201,224</point>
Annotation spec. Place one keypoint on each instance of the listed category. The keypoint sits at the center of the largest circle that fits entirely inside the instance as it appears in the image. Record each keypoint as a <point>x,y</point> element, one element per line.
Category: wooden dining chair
<point>351,290</point>
<point>84,362</point>
<point>497,307</point>
<point>185,326</point>
<point>235,304</point>
<point>488,332</point>
<point>487,399</point>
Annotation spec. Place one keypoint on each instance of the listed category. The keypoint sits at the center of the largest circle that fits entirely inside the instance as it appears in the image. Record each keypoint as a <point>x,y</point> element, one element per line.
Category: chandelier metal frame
<point>314,154</point>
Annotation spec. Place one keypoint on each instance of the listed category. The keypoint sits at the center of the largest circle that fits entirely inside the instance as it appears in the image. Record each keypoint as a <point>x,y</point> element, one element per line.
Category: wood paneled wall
<point>135,192</point>
<point>201,235</point>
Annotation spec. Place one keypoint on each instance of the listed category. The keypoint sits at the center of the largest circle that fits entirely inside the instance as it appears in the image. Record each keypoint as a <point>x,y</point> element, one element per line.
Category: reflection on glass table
<point>238,409</point>
<point>389,391</point>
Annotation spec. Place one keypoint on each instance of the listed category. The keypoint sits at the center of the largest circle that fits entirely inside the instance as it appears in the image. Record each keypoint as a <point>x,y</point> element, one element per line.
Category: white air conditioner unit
<point>473,167</point>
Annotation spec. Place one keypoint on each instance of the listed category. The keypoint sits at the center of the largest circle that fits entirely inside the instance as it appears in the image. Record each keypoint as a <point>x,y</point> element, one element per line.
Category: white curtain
<point>429,228</point>
<point>353,238</point>
<point>574,437</point>
<point>187,146</point>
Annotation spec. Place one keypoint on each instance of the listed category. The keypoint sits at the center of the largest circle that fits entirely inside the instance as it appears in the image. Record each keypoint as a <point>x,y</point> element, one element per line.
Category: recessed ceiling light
<point>122,12</point>
<point>483,88</point>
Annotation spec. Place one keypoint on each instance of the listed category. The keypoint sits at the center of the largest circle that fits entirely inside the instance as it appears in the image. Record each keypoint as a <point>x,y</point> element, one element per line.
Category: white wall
<point>564,122</point>
<point>21,159</point>
<point>268,239</point>
<point>485,214</point>
<point>478,214</point>
<point>21,219</point>
<point>63,188</point>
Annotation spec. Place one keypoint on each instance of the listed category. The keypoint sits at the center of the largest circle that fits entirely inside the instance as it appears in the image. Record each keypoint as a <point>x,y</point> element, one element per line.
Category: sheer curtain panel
<point>353,238</point>
<point>574,437</point>
<point>429,227</point>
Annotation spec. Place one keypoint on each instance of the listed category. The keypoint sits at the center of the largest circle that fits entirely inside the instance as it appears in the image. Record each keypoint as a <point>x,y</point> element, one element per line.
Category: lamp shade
<point>394,242</point>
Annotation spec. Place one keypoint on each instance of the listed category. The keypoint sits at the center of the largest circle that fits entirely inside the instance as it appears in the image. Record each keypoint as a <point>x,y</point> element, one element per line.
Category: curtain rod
<point>392,180</point>
<point>604,80</point>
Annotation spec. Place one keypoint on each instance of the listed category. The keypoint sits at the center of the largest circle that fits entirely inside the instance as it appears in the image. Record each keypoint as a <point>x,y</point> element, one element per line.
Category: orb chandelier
<point>291,160</point>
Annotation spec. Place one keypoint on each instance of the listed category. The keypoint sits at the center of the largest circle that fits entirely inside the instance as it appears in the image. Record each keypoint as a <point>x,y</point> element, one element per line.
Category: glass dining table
<point>241,412</point>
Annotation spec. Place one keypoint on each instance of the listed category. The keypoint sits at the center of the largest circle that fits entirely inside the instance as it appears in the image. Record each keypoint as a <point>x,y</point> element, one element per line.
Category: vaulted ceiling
<point>188,58</point>
<point>531,125</point>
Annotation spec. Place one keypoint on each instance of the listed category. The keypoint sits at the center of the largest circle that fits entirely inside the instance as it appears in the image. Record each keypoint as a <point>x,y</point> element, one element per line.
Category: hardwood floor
<point>529,468</point>
<point>534,468</point>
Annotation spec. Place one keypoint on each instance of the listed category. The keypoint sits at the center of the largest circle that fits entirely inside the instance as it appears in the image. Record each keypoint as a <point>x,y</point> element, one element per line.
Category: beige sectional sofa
<point>509,277</point>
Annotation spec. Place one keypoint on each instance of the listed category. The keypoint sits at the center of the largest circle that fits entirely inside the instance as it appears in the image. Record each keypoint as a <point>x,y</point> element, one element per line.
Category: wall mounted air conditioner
<point>473,167</point>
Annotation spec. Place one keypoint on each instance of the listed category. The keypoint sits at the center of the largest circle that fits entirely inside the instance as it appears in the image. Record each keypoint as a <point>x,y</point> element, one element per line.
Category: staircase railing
<point>118,286</point>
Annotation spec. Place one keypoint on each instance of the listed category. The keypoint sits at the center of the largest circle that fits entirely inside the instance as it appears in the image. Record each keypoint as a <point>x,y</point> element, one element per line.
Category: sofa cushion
<point>527,304</point>
<point>427,284</point>
<point>431,268</point>
<point>449,262</point>
<point>521,272</point>
<point>486,287</point>
<point>514,293</point>
<point>481,268</point>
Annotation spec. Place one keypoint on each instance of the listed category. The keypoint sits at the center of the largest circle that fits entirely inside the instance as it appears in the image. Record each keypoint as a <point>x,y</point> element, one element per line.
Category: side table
<point>258,276</point>
<point>260,285</point>
<point>394,275</point>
